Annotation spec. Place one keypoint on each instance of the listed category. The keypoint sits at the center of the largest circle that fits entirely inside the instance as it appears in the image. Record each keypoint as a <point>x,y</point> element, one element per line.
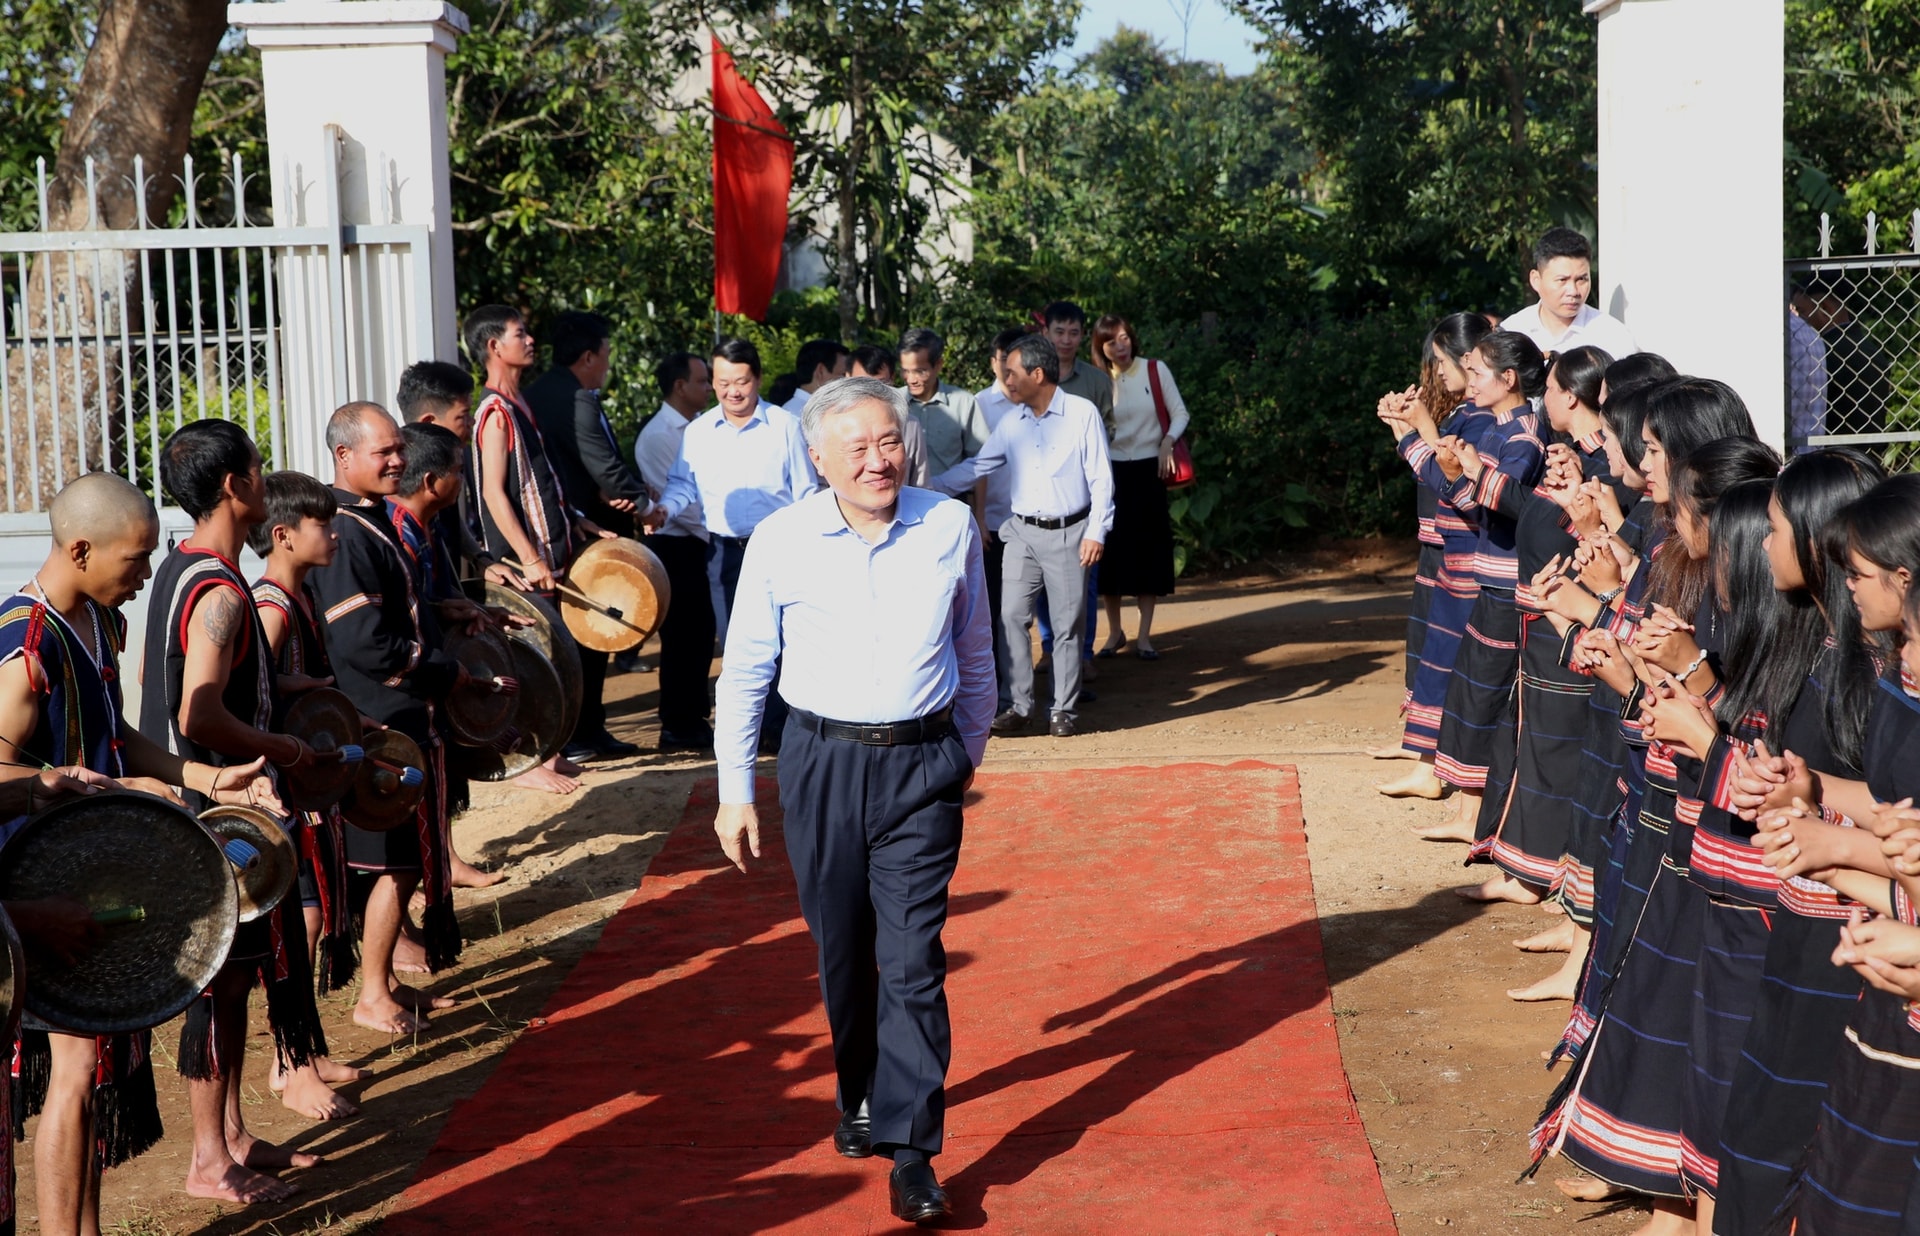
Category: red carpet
<point>1143,1040</point>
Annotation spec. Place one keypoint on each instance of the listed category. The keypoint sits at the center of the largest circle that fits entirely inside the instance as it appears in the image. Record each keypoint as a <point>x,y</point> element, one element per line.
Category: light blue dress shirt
<point>740,475</point>
<point>994,407</point>
<point>867,632</point>
<point>1058,463</point>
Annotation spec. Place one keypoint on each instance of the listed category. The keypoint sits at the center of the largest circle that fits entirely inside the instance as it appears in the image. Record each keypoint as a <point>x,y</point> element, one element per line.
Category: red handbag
<point>1182,457</point>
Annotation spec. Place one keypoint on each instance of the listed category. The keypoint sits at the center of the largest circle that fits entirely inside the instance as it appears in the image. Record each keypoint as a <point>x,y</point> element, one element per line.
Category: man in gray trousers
<point>1054,446</point>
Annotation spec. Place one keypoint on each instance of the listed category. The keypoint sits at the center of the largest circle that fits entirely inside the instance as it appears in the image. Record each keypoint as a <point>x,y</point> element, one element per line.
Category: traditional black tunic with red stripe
<point>273,946</point>
<point>323,855</point>
<point>78,720</point>
<point>385,660</point>
<point>531,484</point>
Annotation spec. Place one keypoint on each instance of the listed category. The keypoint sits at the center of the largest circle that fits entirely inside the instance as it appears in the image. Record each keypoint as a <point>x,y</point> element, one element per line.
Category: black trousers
<point>593,688</point>
<point>733,553</point>
<point>994,551</point>
<point>873,834</point>
<point>686,636</point>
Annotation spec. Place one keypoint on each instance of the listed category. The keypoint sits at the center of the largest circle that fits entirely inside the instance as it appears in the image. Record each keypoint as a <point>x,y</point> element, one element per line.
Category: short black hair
<point>738,352</point>
<point>920,339</point>
<point>1063,311</point>
<point>432,450</point>
<point>483,326</point>
<point>1034,352</point>
<point>815,353</point>
<point>873,358</point>
<point>1004,341</point>
<point>291,497</point>
<point>673,369</point>
<point>430,387</point>
<point>1560,242</point>
<point>197,460</point>
<point>782,389</point>
<point>576,333</point>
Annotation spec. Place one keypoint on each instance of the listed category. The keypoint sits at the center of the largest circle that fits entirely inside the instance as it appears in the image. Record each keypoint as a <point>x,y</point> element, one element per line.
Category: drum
<point>14,961</point>
<point>160,884</point>
<point>326,720</point>
<point>479,712</point>
<point>628,590</point>
<point>391,782</point>
<point>542,720</point>
<point>263,883</point>
<point>548,634</point>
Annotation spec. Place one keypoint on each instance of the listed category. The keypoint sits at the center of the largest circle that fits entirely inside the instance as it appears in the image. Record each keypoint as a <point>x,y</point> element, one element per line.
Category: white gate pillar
<point>1690,108</point>
<point>375,70</point>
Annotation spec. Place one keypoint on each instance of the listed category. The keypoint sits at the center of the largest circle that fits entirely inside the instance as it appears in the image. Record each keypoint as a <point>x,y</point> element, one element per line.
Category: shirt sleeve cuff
<point>736,785</point>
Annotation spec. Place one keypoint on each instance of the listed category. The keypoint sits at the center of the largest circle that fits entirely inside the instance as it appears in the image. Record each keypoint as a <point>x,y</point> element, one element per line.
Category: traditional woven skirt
<point>1726,991</point>
<point>1600,791</point>
<point>1525,821</point>
<point>1793,1044</point>
<point>1860,1168</point>
<point>1480,692</point>
<point>1448,609</point>
<point>1426,577</point>
<point>1622,1120</point>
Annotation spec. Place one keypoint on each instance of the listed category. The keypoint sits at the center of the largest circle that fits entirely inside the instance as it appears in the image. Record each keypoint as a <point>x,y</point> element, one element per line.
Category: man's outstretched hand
<point>738,826</point>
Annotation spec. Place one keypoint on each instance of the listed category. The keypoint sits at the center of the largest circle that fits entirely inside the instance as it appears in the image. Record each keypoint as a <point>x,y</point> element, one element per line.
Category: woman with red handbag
<point>1150,456</point>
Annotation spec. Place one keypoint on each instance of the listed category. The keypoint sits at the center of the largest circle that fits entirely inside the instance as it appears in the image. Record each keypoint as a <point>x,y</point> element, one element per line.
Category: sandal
<point>1107,654</point>
<point>1147,654</point>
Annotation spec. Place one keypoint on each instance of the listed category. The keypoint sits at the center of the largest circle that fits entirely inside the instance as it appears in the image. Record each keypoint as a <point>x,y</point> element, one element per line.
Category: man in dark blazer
<point>595,479</point>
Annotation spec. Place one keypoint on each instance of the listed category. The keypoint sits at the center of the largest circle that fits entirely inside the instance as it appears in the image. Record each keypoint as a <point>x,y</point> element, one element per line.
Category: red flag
<point>752,175</point>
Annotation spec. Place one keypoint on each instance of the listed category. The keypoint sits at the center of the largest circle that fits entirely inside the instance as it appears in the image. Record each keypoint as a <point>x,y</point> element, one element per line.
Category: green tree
<point>864,87</point>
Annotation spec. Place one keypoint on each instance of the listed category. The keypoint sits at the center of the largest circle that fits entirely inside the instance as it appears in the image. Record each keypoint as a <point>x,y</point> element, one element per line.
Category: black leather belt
<point>1048,521</point>
<point>736,540</point>
<point>933,726</point>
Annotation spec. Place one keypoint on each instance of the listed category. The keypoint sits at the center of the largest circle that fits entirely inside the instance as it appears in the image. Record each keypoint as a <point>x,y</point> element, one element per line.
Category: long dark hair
<point>1884,526</point>
<point>1771,638</point>
<point>1698,483</point>
<point>1686,413</point>
<point>1580,372</point>
<point>1505,349</point>
<point>1456,335</point>
<point>1639,369</point>
<point>1812,491</point>
<point>1625,411</point>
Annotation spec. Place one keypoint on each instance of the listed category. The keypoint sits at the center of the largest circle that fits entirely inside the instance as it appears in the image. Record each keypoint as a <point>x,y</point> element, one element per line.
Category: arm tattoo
<point>221,618</point>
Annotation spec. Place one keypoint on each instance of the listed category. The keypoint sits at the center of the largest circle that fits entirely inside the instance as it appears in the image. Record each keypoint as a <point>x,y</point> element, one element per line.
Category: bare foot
<point>331,1072</point>
<point>409,955</point>
<point>387,1016</point>
<point>466,875</point>
<point>1499,888</point>
<point>1392,753</point>
<point>1588,1189</point>
<point>1420,783</point>
<point>231,1182</point>
<point>249,1151</point>
<point>419,1001</point>
<point>1671,1217</point>
<point>1556,986</point>
<point>565,767</point>
<point>306,1092</point>
<point>546,781</point>
<point>1556,939</point>
<point>1453,828</point>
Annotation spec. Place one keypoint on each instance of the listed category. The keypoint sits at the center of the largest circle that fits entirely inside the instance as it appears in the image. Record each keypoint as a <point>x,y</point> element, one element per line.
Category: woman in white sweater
<point>1138,561</point>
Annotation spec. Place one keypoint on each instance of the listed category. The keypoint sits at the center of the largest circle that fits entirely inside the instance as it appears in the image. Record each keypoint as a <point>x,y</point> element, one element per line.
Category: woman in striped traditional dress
<point>1625,1105</point>
<point>1804,1000</point>
<point>1447,535</point>
<point>1536,753</point>
<point>1505,372</point>
<point>1858,1176</point>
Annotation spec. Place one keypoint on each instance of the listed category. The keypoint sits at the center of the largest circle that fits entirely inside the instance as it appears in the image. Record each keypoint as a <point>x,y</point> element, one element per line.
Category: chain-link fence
<point>1853,349</point>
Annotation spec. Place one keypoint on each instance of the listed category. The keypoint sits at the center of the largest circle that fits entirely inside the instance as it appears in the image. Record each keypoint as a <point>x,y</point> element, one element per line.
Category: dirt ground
<point>1299,663</point>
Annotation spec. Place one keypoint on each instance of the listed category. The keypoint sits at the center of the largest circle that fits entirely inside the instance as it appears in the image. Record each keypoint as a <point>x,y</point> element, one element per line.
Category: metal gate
<point>1853,348</point>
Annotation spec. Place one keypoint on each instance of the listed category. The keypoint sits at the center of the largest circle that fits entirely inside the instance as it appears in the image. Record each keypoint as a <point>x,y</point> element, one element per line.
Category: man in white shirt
<point>1054,445</point>
<point>951,419</point>
<point>868,605</point>
<point>993,499</point>
<point>681,544</point>
<point>820,361</point>
<point>1561,320</point>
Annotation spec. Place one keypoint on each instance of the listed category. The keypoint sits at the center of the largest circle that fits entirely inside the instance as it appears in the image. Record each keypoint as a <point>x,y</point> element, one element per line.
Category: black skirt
<point>1138,560</point>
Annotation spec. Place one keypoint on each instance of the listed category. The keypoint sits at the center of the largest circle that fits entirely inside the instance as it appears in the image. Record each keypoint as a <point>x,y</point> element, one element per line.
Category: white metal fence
<point>1853,347</point>
<point>112,339</point>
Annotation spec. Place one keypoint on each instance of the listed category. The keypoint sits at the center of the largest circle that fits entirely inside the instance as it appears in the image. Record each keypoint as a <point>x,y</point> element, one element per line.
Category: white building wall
<point>1689,251</point>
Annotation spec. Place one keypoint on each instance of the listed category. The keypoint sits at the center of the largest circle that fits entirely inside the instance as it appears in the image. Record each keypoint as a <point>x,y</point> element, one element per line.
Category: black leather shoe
<point>916,1193</point>
<point>580,753</point>
<point>1060,727</point>
<point>671,740</point>
<point>853,1136</point>
<point>1009,722</point>
<point>613,748</point>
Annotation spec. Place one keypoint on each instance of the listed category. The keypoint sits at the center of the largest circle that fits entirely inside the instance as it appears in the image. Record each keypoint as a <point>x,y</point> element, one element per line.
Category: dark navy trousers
<point>873,834</point>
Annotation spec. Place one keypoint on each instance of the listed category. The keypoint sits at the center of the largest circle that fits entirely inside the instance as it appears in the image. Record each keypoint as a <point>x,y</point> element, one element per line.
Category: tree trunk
<point>136,97</point>
<point>848,249</point>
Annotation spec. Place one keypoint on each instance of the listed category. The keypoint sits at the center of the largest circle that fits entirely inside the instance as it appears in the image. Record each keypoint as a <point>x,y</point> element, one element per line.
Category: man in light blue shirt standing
<point>1054,447</point>
<point>868,603</point>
